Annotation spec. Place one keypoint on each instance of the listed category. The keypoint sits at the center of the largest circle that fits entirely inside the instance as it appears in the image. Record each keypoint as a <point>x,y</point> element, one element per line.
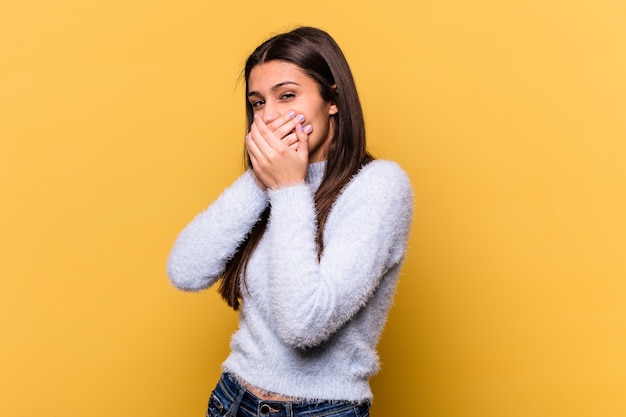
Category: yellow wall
<point>121,119</point>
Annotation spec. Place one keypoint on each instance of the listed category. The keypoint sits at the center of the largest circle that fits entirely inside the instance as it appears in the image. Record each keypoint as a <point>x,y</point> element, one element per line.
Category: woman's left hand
<point>274,162</point>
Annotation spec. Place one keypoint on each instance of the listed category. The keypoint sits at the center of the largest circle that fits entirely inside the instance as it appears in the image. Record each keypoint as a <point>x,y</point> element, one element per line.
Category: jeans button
<point>265,409</point>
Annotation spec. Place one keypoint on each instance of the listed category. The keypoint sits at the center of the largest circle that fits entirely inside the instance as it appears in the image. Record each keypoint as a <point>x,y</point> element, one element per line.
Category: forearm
<point>205,245</point>
<point>365,236</point>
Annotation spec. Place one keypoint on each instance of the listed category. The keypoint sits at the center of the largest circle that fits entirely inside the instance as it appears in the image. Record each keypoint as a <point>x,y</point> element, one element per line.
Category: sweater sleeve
<point>203,248</point>
<point>365,236</point>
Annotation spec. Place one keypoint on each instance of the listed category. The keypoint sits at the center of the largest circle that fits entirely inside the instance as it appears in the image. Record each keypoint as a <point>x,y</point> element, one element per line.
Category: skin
<point>280,147</point>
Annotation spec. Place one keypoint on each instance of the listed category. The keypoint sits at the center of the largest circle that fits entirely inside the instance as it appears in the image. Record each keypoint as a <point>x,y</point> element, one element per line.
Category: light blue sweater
<point>308,328</point>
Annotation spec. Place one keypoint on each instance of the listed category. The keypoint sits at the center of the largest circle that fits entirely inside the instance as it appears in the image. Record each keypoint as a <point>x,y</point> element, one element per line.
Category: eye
<point>287,96</point>
<point>257,103</point>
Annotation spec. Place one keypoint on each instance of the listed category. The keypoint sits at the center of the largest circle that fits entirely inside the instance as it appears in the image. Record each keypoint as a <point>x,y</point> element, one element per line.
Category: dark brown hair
<point>319,56</point>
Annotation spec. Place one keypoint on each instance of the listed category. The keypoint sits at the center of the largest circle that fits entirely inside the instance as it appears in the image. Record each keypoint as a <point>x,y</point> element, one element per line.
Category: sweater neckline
<point>315,174</point>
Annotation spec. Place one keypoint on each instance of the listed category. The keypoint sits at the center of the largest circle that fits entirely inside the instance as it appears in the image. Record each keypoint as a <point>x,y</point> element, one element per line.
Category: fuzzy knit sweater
<point>308,328</point>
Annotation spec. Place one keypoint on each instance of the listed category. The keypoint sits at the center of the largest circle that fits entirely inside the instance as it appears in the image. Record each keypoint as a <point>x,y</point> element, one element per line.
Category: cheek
<point>322,129</point>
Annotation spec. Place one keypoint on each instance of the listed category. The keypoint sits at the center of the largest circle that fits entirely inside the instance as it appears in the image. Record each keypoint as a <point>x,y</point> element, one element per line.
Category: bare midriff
<point>268,395</point>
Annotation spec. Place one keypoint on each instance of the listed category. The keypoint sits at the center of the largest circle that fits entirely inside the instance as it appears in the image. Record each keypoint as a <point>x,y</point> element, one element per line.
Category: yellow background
<point>121,119</point>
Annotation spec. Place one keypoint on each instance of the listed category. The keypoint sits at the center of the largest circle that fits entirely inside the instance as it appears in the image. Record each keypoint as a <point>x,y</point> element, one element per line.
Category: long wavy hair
<point>317,54</point>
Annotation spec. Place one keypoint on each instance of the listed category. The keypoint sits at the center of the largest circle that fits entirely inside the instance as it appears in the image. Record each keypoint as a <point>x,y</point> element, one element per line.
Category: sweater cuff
<point>289,194</point>
<point>255,194</point>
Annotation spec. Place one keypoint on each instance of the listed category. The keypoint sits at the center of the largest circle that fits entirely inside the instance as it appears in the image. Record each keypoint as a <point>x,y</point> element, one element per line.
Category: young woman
<point>307,243</point>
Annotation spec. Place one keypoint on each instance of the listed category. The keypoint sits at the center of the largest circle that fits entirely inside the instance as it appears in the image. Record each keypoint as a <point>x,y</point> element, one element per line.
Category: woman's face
<point>278,87</point>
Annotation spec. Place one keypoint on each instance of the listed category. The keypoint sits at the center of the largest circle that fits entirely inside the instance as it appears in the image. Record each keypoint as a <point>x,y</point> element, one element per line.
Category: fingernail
<point>292,114</point>
<point>308,128</point>
<point>256,116</point>
<point>301,117</point>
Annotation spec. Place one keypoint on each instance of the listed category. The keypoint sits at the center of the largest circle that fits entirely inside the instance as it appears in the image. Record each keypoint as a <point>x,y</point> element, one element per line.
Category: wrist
<point>286,184</point>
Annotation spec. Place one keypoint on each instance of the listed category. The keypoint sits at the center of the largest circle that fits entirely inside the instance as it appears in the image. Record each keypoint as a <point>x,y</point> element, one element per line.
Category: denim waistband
<point>231,399</point>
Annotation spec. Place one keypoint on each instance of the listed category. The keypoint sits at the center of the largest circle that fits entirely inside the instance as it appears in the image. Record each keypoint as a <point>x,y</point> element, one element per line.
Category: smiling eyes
<point>285,97</point>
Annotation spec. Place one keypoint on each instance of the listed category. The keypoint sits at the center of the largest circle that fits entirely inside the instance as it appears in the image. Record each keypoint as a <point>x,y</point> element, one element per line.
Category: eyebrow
<point>274,88</point>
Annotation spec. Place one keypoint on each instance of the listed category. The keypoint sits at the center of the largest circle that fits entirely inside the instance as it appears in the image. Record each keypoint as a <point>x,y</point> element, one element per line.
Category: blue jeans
<point>230,399</point>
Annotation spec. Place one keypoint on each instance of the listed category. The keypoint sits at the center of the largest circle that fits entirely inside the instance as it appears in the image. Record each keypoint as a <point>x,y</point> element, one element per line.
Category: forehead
<point>269,74</point>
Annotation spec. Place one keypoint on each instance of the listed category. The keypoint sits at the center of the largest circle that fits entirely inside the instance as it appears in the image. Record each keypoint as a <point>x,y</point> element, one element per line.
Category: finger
<point>266,140</point>
<point>290,139</point>
<point>275,124</point>
<point>253,150</point>
<point>257,142</point>
<point>289,126</point>
<point>303,141</point>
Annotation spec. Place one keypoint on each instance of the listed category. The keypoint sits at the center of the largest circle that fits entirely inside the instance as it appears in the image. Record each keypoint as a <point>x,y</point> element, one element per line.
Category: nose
<point>270,112</point>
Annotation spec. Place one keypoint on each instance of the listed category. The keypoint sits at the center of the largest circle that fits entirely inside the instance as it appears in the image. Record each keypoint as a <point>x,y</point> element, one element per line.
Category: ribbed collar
<point>315,174</point>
